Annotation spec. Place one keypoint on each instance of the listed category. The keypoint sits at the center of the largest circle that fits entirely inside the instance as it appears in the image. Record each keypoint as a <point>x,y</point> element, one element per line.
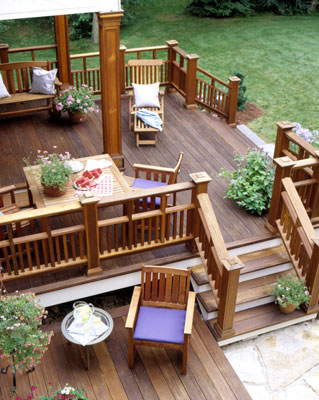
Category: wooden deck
<point>207,142</point>
<point>156,374</point>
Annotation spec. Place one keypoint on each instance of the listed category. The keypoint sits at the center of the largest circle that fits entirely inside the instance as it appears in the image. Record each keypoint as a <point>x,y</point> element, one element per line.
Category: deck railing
<point>179,72</point>
<point>300,240</point>
<point>222,271</point>
<point>29,53</point>
<point>299,160</point>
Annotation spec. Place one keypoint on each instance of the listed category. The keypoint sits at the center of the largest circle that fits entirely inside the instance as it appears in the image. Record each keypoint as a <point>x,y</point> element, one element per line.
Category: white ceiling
<point>14,9</point>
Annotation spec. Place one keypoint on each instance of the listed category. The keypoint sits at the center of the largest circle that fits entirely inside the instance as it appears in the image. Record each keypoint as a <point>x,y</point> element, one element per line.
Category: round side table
<point>98,312</point>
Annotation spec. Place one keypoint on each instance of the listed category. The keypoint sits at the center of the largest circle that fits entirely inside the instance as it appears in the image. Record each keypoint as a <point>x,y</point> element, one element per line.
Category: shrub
<point>284,7</point>
<point>218,8</point>
<point>242,97</point>
<point>80,25</point>
<point>251,183</point>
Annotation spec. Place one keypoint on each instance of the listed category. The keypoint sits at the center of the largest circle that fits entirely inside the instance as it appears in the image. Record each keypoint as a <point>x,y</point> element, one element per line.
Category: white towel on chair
<point>150,118</point>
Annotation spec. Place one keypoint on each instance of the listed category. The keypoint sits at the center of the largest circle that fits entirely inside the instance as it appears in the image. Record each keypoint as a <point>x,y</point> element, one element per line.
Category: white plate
<point>76,166</point>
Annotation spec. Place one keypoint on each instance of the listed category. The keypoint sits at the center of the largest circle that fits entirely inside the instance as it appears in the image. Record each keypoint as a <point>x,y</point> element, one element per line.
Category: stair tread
<point>199,274</point>
<point>208,301</point>
<point>258,318</point>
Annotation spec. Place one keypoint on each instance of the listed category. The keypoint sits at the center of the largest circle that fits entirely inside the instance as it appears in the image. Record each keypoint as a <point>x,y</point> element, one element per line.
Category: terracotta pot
<point>77,118</point>
<point>288,309</point>
<point>53,191</point>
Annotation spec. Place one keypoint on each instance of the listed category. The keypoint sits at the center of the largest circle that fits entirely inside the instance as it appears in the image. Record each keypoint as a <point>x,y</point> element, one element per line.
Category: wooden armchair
<point>8,205</point>
<point>150,176</point>
<point>145,72</point>
<point>161,311</point>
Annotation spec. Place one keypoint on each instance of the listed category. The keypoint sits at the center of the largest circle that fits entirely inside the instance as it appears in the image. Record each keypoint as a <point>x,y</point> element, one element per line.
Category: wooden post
<point>228,294</point>
<point>63,49</point>
<point>109,31</point>
<point>191,82</point>
<point>312,278</point>
<point>233,95</point>
<point>122,69</point>
<point>315,201</point>
<point>283,170</point>
<point>91,234</point>
<point>282,143</point>
<point>4,56</point>
<point>201,179</point>
<point>171,59</point>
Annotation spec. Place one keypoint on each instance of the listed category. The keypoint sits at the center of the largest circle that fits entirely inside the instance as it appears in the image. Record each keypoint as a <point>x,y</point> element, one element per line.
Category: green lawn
<point>278,54</point>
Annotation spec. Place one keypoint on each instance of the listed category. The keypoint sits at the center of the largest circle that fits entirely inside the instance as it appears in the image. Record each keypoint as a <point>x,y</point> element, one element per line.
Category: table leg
<point>87,357</point>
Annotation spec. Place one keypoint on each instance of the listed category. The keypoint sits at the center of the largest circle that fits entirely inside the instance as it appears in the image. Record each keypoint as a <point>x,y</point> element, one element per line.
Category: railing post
<point>91,234</point>
<point>191,82</point>
<point>122,69</point>
<point>233,95</point>
<point>228,294</point>
<point>282,142</point>
<point>61,28</point>
<point>201,179</point>
<point>171,59</point>
<point>4,56</point>
<point>312,278</point>
<point>283,170</point>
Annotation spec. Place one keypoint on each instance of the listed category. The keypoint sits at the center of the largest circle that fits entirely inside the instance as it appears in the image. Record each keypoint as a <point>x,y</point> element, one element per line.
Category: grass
<point>278,55</point>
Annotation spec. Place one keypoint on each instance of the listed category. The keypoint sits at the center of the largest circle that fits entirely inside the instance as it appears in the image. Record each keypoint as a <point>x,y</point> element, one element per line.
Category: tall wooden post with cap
<point>63,49</point>
<point>109,33</point>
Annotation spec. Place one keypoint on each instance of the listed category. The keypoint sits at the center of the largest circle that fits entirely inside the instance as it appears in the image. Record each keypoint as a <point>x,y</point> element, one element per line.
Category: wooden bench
<point>17,77</point>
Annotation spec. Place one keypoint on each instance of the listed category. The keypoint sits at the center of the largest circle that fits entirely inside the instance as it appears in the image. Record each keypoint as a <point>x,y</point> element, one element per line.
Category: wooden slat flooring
<point>156,374</point>
<point>207,142</point>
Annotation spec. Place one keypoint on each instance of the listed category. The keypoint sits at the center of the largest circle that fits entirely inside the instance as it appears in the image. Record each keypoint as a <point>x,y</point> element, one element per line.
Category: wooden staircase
<point>255,311</point>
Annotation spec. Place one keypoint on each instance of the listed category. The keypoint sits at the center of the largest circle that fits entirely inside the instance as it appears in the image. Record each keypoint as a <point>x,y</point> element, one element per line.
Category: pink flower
<point>78,101</point>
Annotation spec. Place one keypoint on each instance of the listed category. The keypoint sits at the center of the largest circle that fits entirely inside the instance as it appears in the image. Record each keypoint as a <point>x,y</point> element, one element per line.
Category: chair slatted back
<point>17,76</point>
<point>145,72</point>
<point>164,287</point>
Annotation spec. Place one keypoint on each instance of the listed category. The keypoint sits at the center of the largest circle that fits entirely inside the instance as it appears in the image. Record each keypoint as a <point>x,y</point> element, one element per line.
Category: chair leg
<point>131,349</point>
<point>185,355</point>
<point>137,139</point>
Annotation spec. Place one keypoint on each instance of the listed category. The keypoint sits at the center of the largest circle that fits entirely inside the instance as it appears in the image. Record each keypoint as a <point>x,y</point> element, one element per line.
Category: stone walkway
<point>280,365</point>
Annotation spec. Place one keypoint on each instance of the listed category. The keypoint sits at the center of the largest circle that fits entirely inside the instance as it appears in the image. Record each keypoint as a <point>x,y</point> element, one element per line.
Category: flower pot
<point>53,191</point>
<point>288,309</point>
<point>77,118</point>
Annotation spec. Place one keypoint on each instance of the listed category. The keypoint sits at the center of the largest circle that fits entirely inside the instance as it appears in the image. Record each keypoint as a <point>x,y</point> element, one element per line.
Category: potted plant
<point>53,170</point>
<point>22,342</point>
<point>77,102</point>
<point>290,292</point>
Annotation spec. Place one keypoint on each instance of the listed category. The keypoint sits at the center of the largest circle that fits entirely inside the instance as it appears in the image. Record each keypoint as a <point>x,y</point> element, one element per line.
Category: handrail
<point>32,48</point>
<point>202,71</point>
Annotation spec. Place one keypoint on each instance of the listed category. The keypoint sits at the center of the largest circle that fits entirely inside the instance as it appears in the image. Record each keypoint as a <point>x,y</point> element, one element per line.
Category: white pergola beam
<point>15,9</point>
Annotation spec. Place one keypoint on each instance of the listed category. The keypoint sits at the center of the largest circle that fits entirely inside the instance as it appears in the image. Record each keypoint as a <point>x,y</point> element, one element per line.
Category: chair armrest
<point>133,310</point>
<point>8,189</point>
<point>57,82</point>
<point>189,313</point>
<point>162,92</point>
<point>153,168</point>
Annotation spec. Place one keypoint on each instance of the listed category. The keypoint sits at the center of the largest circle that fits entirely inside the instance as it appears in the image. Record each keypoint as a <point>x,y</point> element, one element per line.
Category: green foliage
<point>22,342</point>
<point>133,10</point>
<point>283,7</point>
<point>80,25</point>
<point>67,393</point>
<point>54,169</point>
<point>219,8</point>
<point>289,289</point>
<point>251,183</point>
<point>242,97</point>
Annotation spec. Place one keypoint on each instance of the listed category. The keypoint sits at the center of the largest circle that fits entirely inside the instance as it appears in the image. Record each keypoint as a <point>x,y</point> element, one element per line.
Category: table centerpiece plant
<point>77,102</point>
<point>22,342</point>
<point>53,170</point>
<point>290,292</point>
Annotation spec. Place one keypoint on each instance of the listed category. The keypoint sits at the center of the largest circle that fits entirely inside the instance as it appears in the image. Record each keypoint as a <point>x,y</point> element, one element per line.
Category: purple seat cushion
<point>160,325</point>
<point>147,184</point>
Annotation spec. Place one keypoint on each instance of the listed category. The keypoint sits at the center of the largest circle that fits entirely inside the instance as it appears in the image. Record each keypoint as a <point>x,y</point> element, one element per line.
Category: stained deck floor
<point>207,142</point>
<point>156,374</point>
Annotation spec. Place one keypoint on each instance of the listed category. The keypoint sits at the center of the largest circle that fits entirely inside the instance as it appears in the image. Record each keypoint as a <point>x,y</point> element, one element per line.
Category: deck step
<point>265,318</point>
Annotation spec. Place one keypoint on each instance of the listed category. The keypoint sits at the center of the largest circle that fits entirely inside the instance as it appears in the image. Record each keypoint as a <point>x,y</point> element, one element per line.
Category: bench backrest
<point>17,76</point>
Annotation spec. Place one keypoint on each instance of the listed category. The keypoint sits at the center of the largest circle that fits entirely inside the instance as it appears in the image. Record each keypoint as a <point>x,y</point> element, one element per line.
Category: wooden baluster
<point>12,249</point>
<point>65,249</point>
<point>122,77</point>
<point>191,81</point>
<point>171,58</point>
<point>57,248</point>
<point>46,228</point>
<point>283,170</point>
<point>228,293</point>
<point>233,95</point>
<point>92,235</point>
<point>109,238</point>
<point>163,218</point>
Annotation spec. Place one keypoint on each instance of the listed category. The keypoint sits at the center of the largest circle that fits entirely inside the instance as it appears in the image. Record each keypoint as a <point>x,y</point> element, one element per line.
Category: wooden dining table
<point>40,199</point>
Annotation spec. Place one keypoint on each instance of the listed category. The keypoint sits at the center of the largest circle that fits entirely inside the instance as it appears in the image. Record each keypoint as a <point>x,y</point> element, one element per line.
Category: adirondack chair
<point>161,311</point>
<point>145,72</point>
